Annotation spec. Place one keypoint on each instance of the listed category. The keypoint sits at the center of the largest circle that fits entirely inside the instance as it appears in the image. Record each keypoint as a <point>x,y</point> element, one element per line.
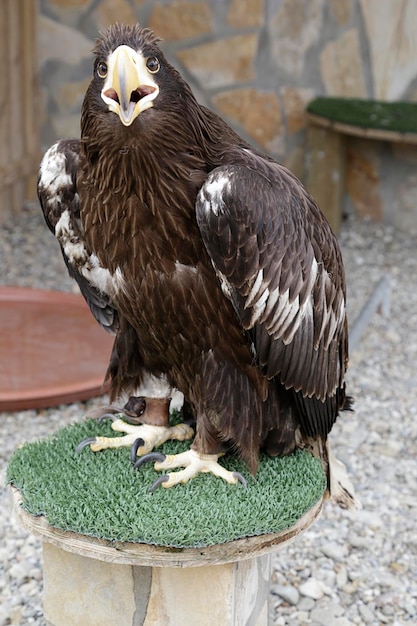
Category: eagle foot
<point>194,463</point>
<point>142,438</point>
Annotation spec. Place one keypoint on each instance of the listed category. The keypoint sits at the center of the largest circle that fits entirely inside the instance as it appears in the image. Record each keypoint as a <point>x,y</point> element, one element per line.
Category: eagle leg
<point>194,463</point>
<point>142,438</point>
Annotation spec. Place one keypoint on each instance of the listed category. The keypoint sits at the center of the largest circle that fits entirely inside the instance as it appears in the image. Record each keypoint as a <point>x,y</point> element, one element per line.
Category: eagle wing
<point>58,196</point>
<point>280,265</point>
<point>59,199</point>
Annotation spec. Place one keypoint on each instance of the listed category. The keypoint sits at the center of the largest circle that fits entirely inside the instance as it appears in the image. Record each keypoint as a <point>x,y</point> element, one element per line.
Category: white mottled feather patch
<point>87,264</point>
<point>73,247</point>
<point>63,228</point>
<point>211,194</point>
<point>98,276</point>
<point>52,173</point>
<point>102,279</point>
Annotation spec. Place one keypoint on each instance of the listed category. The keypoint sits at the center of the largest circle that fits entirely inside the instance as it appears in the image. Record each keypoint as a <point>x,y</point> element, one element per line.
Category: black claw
<point>84,443</point>
<point>129,419</point>
<point>159,481</point>
<point>240,478</point>
<point>134,449</point>
<point>152,456</point>
<point>109,416</point>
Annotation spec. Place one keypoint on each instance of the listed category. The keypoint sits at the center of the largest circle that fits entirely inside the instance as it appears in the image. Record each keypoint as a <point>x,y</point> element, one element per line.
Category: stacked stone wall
<point>258,63</point>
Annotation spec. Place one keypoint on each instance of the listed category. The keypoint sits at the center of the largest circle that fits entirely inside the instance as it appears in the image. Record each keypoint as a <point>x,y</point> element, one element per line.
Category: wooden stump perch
<point>196,554</point>
<point>97,582</point>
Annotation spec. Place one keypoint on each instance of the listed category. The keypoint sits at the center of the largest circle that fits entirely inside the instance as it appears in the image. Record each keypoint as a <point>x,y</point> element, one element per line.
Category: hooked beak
<point>129,88</point>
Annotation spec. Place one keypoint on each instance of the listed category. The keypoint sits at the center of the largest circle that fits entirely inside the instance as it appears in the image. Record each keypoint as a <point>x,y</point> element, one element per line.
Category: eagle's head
<point>131,75</point>
<point>138,108</point>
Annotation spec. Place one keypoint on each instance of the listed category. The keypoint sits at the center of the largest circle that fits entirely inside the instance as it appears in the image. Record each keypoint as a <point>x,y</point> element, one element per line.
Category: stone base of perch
<point>81,590</point>
<point>95,582</point>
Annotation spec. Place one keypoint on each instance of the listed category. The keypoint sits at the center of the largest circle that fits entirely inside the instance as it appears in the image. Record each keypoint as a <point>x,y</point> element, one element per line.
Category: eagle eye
<point>153,65</point>
<point>102,69</point>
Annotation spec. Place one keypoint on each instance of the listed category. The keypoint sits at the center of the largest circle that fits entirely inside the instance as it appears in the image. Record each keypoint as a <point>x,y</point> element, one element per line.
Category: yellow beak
<point>129,87</point>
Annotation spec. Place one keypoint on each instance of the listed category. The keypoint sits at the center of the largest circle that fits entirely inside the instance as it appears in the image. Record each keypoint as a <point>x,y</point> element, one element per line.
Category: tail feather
<point>339,486</point>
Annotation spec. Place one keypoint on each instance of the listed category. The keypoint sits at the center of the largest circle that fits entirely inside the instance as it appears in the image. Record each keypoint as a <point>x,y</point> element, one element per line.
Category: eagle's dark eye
<point>102,69</point>
<point>152,64</point>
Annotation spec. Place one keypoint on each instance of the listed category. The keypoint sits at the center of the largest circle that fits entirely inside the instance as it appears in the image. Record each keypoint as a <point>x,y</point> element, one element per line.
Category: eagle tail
<point>339,486</point>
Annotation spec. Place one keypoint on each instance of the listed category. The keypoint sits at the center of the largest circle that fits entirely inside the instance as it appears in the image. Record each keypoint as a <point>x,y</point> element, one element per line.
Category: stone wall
<point>258,62</point>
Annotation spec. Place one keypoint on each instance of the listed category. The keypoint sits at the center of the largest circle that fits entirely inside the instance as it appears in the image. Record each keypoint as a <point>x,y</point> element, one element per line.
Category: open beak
<point>129,88</point>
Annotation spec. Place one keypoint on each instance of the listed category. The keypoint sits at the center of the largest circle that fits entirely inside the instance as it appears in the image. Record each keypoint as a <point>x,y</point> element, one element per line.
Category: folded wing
<point>280,265</point>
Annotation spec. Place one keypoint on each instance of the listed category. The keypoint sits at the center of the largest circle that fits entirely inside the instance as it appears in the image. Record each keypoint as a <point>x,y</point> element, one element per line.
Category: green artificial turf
<point>395,116</point>
<point>100,494</point>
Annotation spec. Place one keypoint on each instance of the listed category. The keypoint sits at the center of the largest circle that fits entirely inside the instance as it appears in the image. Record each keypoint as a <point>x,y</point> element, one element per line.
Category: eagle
<point>210,262</point>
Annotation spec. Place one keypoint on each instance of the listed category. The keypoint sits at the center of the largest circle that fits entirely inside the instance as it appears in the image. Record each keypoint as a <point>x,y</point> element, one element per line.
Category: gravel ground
<point>351,567</point>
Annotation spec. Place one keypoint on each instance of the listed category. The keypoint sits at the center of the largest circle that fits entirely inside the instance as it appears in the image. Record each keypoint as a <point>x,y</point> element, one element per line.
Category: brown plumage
<point>224,275</point>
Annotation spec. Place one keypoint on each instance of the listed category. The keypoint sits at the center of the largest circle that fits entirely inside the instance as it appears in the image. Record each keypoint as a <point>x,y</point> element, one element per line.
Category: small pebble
<point>287,593</point>
<point>312,588</point>
<point>382,618</point>
<point>306,604</point>
<point>341,577</point>
<point>366,613</point>
<point>18,570</point>
<point>16,615</point>
<point>301,616</point>
<point>4,613</point>
<point>326,615</point>
<point>334,551</point>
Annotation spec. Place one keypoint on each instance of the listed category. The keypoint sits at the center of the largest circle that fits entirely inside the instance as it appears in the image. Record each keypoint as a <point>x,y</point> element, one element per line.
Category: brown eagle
<point>210,261</point>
